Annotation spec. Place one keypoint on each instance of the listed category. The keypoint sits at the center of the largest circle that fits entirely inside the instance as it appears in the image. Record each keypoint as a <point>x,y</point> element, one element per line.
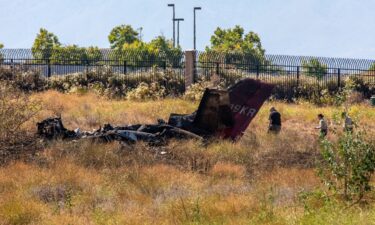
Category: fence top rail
<point>110,54</point>
<point>87,54</point>
<point>273,66</point>
<point>347,63</point>
<point>286,60</point>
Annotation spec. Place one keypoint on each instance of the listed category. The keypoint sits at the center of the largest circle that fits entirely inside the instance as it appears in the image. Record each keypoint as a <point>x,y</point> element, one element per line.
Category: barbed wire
<point>290,60</point>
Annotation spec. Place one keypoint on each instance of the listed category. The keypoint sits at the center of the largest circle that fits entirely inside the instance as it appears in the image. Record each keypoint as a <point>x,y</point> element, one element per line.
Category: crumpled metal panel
<point>221,113</point>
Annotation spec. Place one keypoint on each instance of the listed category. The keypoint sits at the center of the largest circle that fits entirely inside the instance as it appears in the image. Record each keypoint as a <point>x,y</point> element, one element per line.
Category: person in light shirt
<point>348,122</point>
<point>323,127</point>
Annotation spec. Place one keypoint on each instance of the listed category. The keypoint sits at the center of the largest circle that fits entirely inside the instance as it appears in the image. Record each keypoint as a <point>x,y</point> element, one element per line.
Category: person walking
<point>323,127</point>
<point>274,121</point>
<point>348,122</point>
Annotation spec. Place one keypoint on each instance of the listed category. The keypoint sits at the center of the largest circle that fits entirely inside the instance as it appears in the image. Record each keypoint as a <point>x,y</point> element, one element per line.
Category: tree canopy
<point>372,67</point>
<point>1,56</point>
<point>73,54</point>
<point>44,44</point>
<point>47,47</point>
<point>314,68</point>
<point>128,47</point>
<point>234,42</point>
<point>120,35</point>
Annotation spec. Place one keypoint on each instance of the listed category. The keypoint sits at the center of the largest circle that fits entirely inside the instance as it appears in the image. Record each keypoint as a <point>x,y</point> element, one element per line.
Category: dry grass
<point>255,181</point>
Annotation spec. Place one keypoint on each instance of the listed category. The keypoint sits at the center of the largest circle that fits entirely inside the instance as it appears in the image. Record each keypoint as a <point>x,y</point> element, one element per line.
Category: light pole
<point>173,19</point>
<point>140,33</point>
<point>195,38</point>
<point>178,30</point>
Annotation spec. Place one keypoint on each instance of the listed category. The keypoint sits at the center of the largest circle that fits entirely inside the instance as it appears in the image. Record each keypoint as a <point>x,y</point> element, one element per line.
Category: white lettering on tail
<point>243,110</point>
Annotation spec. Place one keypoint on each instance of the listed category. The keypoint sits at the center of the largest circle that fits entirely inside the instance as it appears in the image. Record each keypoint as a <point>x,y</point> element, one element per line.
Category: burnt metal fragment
<point>221,113</point>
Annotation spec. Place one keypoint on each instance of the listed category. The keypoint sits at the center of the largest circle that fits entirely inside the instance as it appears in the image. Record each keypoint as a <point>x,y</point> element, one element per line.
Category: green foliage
<point>44,43</point>
<point>234,41</point>
<point>120,35</point>
<point>372,68</point>
<point>161,47</point>
<point>314,68</point>
<point>347,165</point>
<point>356,84</point>
<point>47,47</point>
<point>102,80</point>
<point>73,54</point>
<point>236,45</point>
<point>124,39</point>
<point>158,51</point>
<point>1,56</point>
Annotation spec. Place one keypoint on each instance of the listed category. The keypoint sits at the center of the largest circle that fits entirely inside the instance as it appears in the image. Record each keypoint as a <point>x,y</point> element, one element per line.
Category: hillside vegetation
<point>262,179</point>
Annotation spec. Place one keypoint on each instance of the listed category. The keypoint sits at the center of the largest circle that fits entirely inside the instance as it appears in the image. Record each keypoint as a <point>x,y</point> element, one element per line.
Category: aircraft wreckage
<point>221,114</point>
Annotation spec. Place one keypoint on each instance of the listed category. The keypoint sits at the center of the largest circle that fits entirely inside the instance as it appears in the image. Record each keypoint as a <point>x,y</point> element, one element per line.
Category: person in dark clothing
<point>275,121</point>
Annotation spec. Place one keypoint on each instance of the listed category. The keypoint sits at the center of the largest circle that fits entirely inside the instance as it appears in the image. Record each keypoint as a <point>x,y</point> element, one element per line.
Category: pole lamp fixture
<point>173,20</point>
<point>195,37</point>
<point>178,30</point>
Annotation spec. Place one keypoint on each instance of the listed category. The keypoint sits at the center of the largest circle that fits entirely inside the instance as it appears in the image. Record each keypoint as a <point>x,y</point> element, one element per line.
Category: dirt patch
<point>273,160</point>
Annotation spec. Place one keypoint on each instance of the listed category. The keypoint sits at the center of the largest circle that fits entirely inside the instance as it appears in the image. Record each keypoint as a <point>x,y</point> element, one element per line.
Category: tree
<point>236,45</point>
<point>93,54</point>
<point>372,69</point>
<point>161,47</point>
<point>157,52</point>
<point>73,54</point>
<point>120,35</point>
<point>44,44</point>
<point>1,56</point>
<point>131,53</point>
<point>314,68</point>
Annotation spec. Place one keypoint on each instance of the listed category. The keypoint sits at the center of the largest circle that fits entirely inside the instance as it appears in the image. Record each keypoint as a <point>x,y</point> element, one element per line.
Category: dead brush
<point>97,155</point>
<point>288,149</point>
<point>16,109</point>
<point>190,155</point>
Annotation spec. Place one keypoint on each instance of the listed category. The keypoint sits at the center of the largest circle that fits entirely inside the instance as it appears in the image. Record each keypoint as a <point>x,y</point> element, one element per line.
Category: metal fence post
<point>48,68</point>
<point>87,66</point>
<point>257,71</point>
<point>217,68</point>
<point>11,64</point>
<point>338,78</point>
<point>297,76</point>
<point>164,65</point>
<point>124,67</point>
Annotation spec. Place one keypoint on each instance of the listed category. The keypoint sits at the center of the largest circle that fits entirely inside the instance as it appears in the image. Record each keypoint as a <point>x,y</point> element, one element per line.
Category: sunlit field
<point>261,179</point>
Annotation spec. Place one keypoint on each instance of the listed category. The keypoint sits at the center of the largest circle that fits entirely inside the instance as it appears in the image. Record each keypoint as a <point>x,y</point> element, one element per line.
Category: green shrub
<point>105,82</point>
<point>314,68</point>
<point>347,165</point>
<point>356,84</point>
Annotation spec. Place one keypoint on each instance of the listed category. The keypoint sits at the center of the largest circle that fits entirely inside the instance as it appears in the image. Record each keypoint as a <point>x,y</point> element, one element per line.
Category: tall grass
<point>258,180</point>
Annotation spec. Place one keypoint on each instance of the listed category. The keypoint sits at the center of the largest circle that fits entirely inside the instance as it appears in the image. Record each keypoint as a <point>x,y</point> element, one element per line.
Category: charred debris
<point>221,114</point>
